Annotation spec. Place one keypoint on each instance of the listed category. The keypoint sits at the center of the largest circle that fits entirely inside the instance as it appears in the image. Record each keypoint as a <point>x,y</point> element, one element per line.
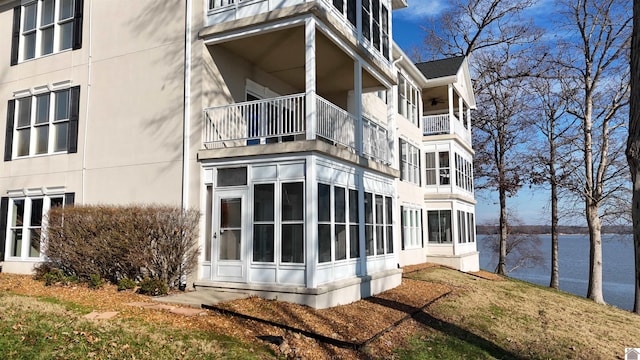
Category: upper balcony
<point>285,119</point>
<point>368,24</point>
<point>445,124</point>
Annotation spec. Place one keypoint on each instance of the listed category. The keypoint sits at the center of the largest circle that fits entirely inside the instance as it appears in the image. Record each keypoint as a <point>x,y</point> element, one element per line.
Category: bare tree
<point>522,250</point>
<point>633,146</point>
<point>499,44</point>
<point>598,34</point>
<point>550,162</point>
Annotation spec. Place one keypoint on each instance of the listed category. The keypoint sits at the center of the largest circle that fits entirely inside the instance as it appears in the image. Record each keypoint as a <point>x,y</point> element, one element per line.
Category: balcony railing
<point>283,119</point>
<point>445,124</point>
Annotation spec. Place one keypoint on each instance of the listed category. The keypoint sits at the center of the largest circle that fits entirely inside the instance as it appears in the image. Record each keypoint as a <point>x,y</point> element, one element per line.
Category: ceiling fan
<point>436,101</point>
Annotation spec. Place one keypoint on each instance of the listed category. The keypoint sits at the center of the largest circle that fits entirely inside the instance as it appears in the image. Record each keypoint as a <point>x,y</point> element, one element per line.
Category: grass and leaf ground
<point>464,316</point>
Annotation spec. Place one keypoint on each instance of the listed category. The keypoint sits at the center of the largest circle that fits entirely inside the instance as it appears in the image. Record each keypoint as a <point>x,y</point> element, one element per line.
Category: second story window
<point>437,168</point>
<point>409,162</point>
<point>42,124</point>
<point>44,27</point>
<point>464,173</point>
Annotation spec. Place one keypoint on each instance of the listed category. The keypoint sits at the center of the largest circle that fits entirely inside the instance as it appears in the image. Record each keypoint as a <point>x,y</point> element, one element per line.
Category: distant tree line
<point>546,229</point>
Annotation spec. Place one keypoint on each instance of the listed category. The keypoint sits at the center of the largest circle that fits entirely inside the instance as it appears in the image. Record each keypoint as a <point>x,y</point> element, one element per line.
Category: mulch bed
<point>384,318</point>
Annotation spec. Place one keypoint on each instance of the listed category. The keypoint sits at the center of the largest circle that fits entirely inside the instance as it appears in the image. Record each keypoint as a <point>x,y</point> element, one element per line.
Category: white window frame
<point>26,226</point>
<point>58,24</point>
<point>412,227</point>
<point>408,99</point>
<point>410,158</point>
<point>33,127</point>
<point>464,173</point>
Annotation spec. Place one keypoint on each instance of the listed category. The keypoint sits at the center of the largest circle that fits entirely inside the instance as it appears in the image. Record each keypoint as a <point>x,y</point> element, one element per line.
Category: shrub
<point>134,242</point>
<point>57,276</point>
<point>95,281</point>
<point>153,287</point>
<point>126,284</point>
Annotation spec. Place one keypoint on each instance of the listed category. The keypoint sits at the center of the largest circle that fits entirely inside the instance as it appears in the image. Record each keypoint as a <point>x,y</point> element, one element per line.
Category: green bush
<point>134,242</point>
<point>153,287</point>
<point>57,276</point>
<point>126,284</point>
<point>95,281</point>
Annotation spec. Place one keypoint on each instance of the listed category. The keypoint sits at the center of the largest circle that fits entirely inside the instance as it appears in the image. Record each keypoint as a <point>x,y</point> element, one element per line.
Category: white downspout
<point>186,130</point>
<point>86,114</point>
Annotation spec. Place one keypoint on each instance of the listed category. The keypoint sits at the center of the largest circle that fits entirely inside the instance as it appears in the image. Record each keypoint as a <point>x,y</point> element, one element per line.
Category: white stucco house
<point>321,158</point>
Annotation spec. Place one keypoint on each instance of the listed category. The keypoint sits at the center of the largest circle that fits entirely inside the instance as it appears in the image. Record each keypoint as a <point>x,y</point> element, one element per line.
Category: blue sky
<point>530,205</point>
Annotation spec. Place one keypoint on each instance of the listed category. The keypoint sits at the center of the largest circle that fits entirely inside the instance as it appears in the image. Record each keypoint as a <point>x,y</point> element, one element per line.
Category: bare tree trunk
<point>633,146</point>
<point>594,291</point>
<point>502,260</point>
<point>555,281</point>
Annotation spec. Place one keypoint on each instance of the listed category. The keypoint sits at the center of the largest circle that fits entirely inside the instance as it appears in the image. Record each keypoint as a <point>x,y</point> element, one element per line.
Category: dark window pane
<point>338,4</point>
<point>231,213</point>
<point>351,11</point>
<point>324,243</point>
<point>29,46</point>
<point>47,12</point>
<point>18,213</point>
<point>66,9</point>
<point>339,204</point>
<point>42,109</point>
<point>324,202</point>
<point>36,212</point>
<point>66,35</point>
<point>61,136</point>
<point>434,226</point>
<point>29,17</point>
<point>42,139</point>
<point>292,243</point>
<point>46,41</point>
<point>368,208</point>
<point>341,242</point>
<point>292,201</point>
<point>24,137</point>
<point>353,206</point>
<point>56,202</point>
<point>354,244</point>
<point>230,245</point>
<point>16,242</point>
<point>24,112</point>
<point>232,176</point>
<point>389,206</point>
<point>34,243</point>
<point>62,105</point>
<point>263,250</point>
<point>366,27</point>
<point>379,211</point>
<point>368,238</point>
<point>263,204</point>
<point>379,239</point>
<point>389,240</point>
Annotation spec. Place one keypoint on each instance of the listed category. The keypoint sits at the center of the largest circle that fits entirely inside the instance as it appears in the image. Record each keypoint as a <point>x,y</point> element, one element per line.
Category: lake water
<point>573,260</point>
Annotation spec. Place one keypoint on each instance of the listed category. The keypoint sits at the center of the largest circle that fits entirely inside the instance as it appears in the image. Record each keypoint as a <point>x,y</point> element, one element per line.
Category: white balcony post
<point>450,98</point>
<point>310,78</point>
<point>461,110</point>
<point>357,112</point>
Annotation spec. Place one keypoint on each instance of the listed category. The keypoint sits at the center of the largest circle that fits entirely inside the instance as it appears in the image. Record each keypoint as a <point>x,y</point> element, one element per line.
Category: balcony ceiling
<point>282,54</point>
<point>435,99</point>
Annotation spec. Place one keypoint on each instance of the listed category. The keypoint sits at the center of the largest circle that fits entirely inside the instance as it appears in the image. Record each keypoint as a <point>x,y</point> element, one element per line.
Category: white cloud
<point>420,9</point>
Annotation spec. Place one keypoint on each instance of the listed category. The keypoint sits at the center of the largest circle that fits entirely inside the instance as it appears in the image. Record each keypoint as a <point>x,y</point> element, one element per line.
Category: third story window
<point>44,27</point>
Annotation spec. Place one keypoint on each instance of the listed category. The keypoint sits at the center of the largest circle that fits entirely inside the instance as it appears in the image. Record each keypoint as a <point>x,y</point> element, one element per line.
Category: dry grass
<point>534,322</point>
<point>482,317</point>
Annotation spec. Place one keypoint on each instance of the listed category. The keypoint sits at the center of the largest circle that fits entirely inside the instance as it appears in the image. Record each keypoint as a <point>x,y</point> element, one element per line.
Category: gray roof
<point>440,68</point>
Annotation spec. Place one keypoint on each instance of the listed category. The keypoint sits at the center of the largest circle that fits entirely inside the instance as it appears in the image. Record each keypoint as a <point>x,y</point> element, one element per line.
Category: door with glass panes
<point>229,236</point>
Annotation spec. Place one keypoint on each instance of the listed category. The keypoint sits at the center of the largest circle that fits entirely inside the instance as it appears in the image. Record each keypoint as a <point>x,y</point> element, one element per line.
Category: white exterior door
<point>229,236</point>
